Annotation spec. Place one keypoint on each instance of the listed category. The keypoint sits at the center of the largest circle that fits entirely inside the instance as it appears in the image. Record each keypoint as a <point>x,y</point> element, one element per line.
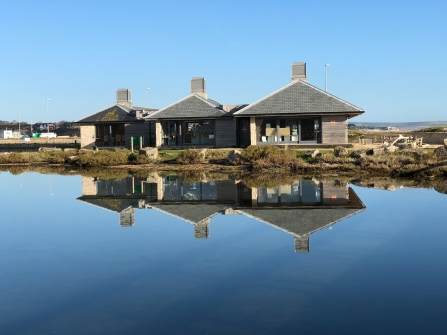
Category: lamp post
<point>325,76</point>
<point>18,111</point>
<point>48,125</point>
<point>147,99</point>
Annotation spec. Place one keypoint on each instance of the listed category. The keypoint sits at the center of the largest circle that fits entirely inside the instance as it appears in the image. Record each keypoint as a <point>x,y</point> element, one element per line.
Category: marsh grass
<point>104,158</point>
<point>190,156</point>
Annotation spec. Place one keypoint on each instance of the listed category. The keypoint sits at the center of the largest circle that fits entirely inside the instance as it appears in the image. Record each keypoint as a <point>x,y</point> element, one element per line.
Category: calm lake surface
<point>82,255</point>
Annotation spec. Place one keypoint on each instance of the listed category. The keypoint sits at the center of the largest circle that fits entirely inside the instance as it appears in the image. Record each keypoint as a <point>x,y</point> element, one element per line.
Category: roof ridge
<point>95,113</point>
<point>193,95</point>
<point>124,108</point>
<point>331,95</point>
<point>168,106</point>
<point>207,101</point>
<point>266,97</point>
<point>182,218</point>
<point>295,82</point>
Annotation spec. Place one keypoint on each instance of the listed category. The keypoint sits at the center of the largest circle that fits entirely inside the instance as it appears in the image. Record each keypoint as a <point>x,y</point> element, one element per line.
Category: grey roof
<point>300,222</point>
<point>116,113</point>
<point>299,97</point>
<point>192,106</point>
<point>110,203</point>
<point>193,213</point>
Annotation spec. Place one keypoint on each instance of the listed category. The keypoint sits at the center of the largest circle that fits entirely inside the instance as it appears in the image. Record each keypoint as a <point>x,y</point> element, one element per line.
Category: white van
<point>48,135</point>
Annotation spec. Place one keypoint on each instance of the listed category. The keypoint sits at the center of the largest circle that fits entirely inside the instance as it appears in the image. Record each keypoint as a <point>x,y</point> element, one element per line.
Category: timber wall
<point>226,133</point>
<point>137,129</point>
<point>334,129</point>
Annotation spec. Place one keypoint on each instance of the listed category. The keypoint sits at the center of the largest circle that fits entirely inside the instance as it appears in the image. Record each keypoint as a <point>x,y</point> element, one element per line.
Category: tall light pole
<point>325,76</point>
<point>147,99</point>
<point>48,124</point>
<point>18,111</point>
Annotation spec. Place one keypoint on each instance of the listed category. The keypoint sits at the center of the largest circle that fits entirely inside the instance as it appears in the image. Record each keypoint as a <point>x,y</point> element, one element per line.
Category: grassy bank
<point>259,159</point>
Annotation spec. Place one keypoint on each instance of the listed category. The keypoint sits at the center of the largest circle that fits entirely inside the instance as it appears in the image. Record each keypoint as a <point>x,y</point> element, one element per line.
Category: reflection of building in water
<point>120,196</point>
<point>300,208</point>
<point>194,202</point>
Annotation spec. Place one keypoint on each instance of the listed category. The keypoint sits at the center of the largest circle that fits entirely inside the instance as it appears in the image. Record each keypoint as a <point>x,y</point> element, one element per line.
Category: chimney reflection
<point>299,208</point>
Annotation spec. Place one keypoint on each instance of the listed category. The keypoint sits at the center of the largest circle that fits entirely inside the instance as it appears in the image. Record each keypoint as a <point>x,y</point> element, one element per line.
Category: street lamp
<point>48,124</point>
<point>18,111</point>
<point>147,99</point>
<point>325,76</point>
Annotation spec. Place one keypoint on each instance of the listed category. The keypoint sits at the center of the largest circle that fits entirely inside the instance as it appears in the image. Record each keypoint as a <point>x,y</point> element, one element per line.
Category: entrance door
<point>310,130</point>
<point>243,138</point>
<point>192,135</point>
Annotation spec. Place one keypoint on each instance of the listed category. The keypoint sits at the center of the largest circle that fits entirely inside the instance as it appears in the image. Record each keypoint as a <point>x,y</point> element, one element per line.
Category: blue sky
<point>387,57</point>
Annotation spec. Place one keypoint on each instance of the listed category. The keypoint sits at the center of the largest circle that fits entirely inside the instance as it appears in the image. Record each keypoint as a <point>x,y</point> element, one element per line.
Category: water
<point>81,255</point>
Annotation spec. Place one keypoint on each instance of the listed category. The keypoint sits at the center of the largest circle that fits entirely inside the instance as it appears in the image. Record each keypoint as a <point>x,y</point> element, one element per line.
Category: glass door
<point>170,131</point>
<point>310,130</point>
<point>192,133</point>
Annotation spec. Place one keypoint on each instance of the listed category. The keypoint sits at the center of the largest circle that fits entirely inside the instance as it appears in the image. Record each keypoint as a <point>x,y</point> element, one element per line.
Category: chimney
<point>198,87</point>
<point>299,71</point>
<point>124,97</point>
<point>301,244</point>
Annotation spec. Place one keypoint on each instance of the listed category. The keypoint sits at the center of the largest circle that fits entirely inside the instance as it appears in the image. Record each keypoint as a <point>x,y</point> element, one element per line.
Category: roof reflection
<point>300,208</point>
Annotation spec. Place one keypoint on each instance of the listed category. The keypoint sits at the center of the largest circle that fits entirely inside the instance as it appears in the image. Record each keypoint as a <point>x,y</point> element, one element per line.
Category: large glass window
<point>200,132</point>
<point>109,135</point>
<point>300,192</point>
<point>288,130</point>
<point>176,190</point>
<point>266,130</point>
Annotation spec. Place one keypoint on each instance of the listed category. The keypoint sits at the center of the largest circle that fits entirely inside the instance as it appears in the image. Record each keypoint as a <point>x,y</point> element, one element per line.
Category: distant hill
<point>406,126</point>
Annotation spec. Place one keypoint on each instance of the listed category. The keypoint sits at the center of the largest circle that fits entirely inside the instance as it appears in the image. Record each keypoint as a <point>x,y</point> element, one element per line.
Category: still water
<point>82,255</point>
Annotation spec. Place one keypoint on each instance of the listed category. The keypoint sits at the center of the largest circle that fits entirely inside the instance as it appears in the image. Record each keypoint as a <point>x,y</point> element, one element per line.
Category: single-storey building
<point>296,114</point>
<point>115,125</point>
<point>5,133</point>
<point>195,121</point>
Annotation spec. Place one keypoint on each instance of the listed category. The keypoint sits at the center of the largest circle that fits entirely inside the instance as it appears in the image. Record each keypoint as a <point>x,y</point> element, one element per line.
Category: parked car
<point>25,138</point>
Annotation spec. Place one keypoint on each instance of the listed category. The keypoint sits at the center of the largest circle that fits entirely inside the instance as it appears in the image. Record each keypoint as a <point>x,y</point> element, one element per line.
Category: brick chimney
<point>198,86</point>
<point>124,97</point>
<point>299,71</point>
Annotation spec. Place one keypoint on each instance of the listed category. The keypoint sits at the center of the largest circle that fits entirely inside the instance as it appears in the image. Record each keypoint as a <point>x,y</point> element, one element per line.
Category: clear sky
<point>387,57</point>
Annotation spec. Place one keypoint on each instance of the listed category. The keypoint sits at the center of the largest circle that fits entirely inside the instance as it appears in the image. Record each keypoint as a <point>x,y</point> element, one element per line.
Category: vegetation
<point>259,159</point>
<point>432,130</point>
<point>190,156</point>
<point>355,135</point>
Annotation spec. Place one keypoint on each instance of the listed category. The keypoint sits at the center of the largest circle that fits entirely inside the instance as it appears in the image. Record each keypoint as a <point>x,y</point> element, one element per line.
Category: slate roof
<point>111,203</point>
<point>299,97</point>
<point>300,222</point>
<point>115,113</point>
<point>193,213</point>
<point>192,106</point>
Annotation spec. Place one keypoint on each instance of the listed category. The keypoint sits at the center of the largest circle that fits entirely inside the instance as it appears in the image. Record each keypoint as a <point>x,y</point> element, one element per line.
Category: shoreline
<point>418,163</point>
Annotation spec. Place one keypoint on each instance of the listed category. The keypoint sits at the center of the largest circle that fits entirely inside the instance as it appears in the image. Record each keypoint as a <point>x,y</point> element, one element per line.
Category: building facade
<point>296,114</point>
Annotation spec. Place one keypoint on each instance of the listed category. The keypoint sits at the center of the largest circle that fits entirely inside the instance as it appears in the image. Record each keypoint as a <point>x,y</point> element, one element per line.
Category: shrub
<point>190,156</point>
<point>253,152</point>
<point>269,157</point>
<point>103,158</point>
<point>143,159</point>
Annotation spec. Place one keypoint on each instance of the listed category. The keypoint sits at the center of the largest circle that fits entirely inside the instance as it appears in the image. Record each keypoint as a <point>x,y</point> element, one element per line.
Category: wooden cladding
<point>334,129</point>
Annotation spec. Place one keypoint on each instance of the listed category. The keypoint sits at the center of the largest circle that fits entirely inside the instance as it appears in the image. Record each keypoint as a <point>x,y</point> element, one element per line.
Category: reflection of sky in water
<point>69,268</point>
